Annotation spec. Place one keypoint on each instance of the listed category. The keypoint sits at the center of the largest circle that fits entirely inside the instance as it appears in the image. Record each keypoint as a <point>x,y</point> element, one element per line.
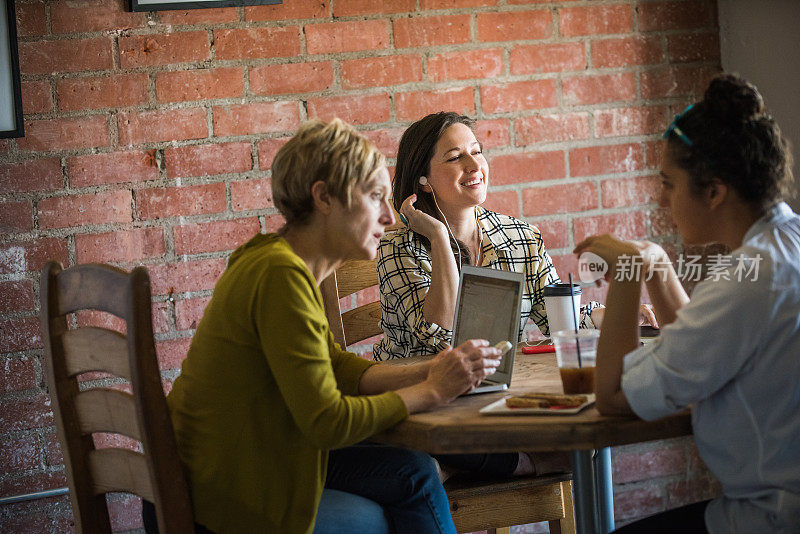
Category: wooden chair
<point>475,504</point>
<point>156,474</point>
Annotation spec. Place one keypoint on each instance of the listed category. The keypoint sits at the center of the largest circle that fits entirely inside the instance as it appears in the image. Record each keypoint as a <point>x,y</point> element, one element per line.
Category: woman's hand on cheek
<point>421,222</point>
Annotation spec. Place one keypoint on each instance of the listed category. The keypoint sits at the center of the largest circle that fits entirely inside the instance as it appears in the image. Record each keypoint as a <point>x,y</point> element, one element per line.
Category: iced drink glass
<point>576,378</point>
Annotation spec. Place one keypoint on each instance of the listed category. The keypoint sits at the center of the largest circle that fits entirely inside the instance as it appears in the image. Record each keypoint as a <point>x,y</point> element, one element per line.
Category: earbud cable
<point>458,248</point>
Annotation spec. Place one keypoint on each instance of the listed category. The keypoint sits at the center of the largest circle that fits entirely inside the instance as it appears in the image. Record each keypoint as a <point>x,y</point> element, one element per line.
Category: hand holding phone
<point>503,347</point>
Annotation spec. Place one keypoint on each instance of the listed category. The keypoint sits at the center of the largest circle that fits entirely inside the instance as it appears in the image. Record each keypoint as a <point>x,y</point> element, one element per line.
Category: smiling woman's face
<point>459,174</point>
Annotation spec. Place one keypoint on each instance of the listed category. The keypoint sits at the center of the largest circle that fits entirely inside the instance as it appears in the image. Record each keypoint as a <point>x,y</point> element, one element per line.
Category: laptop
<point>488,307</point>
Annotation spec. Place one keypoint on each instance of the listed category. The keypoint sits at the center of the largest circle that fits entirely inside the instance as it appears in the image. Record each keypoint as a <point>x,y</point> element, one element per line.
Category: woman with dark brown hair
<point>732,351</point>
<point>441,181</point>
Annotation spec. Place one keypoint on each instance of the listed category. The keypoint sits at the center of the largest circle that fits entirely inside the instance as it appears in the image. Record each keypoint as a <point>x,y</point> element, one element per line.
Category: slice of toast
<point>522,402</point>
<point>545,400</point>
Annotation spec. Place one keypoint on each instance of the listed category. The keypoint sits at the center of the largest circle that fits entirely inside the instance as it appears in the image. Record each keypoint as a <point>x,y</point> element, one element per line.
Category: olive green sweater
<point>264,393</point>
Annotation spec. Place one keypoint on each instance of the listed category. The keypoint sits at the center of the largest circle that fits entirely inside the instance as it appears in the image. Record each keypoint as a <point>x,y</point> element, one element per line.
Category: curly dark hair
<point>417,146</point>
<point>730,136</point>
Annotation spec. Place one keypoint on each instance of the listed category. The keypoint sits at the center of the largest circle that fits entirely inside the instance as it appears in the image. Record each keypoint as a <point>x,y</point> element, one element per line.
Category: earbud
<point>423,180</point>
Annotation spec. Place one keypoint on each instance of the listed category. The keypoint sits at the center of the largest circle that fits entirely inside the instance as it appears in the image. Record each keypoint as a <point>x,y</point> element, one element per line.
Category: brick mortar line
<point>556,37</point>
<point>20,475</point>
<point>401,88</point>
<point>37,432</point>
<point>422,52</point>
<point>389,50</point>
<point>28,394</point>
<point>136,223</point>
<point>169,256</point>
<point>230,214</point>
<point>387,125</point>
<point>188,182</point>
<point>165,27</point>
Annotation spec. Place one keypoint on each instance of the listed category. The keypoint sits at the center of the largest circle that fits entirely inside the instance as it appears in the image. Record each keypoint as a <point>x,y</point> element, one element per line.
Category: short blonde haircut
<point>331,152</point>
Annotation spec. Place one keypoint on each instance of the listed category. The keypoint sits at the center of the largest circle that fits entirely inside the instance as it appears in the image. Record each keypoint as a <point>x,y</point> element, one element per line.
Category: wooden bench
<point>480,504</point>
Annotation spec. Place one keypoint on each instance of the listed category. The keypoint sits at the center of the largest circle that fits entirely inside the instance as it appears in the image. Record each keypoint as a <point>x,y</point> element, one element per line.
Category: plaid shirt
<point>404,273</point>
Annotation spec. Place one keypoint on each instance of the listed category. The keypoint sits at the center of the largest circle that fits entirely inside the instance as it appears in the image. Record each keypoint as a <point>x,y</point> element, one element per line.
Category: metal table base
<point>592,491</point>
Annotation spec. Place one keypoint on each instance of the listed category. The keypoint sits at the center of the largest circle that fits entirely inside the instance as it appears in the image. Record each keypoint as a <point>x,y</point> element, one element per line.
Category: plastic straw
<point>575,320</point>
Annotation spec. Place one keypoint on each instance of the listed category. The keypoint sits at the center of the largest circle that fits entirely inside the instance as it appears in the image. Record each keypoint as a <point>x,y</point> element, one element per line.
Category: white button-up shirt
<point>733,354</point>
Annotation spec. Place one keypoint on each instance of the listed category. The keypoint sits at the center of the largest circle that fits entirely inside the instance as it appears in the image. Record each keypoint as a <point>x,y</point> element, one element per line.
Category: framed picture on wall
<point>162,5</point>
<point>11,123</point>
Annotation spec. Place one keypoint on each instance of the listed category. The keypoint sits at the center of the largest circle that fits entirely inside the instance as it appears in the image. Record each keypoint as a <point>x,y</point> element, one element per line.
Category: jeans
<point>404,482</point>
<point>340,512</point>
<point>372,488</point>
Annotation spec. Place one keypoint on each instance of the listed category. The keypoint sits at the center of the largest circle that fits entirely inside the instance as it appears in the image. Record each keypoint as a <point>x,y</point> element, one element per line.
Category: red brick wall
<point>150,136</point>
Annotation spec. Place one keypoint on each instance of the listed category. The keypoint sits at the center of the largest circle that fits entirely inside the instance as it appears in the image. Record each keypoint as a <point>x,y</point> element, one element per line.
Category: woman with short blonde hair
<point>332,152</point>
<point>269,413</point>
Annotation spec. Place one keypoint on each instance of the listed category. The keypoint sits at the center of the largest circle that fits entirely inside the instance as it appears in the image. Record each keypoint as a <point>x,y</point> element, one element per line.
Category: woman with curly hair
<point>732,351</point>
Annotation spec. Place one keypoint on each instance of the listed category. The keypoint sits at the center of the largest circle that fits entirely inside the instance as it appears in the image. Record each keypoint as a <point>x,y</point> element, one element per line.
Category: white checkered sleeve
<point>404,276</point>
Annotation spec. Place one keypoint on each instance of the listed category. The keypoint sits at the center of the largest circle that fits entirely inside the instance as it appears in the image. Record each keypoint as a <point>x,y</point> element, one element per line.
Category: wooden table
<point>459,428</point>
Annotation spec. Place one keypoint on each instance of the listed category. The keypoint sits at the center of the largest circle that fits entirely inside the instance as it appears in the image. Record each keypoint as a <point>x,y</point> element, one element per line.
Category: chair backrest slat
<point>355,275</point>
<point>351,277</point>
<point>330,299</point>
<point>93,287</point>
<point>116,470</point>
<point>156,474</point>
<point>107,410</point>
<point>362,323</point>
<point>95,349</point>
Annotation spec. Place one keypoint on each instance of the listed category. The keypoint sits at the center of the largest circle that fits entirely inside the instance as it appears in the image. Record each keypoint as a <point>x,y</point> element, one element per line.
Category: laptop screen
<point>488,307</point>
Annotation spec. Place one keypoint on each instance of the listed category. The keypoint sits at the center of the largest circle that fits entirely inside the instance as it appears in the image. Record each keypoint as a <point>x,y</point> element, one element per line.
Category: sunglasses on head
<point>673,127</point>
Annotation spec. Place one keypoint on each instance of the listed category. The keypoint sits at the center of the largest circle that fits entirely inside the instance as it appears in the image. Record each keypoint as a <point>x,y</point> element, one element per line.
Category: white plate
<point>500,408</point>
